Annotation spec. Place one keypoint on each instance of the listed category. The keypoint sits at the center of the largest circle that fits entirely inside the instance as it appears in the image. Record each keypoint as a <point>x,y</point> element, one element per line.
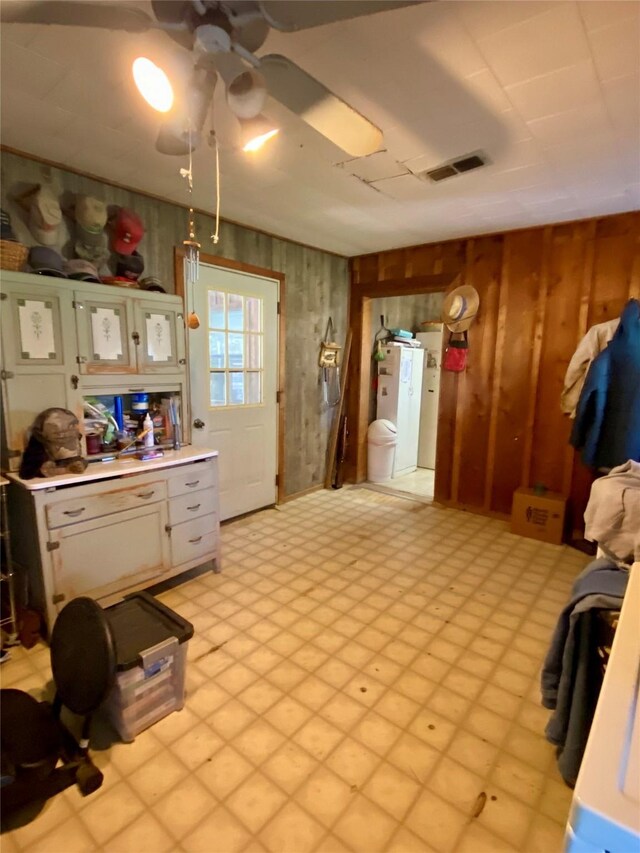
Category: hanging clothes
<point>612,516</point>
<point>607,424</point>
<point>572,675</point>
<point>589,347</point>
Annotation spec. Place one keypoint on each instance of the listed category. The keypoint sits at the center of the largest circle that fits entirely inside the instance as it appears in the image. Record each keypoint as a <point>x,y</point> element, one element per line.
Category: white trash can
<point>382,437</point>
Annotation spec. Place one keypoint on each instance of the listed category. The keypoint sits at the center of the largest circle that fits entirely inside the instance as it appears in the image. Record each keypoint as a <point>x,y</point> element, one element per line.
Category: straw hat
<point>459,308</point>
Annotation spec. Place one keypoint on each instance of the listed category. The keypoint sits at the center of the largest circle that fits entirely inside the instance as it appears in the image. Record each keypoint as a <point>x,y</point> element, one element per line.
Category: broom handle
<point>335,426</point>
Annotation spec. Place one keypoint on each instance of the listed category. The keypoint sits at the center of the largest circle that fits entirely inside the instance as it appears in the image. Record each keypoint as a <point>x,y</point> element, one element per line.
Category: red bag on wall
<point>456,353</point>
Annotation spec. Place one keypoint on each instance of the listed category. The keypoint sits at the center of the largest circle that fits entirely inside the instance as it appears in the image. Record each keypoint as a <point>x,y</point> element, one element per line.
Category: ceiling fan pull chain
<point>215,236</point>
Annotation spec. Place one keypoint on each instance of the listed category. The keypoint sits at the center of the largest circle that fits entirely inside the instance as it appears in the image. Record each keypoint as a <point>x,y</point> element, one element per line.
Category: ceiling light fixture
<point>255,132</point>
<point>153,84</point>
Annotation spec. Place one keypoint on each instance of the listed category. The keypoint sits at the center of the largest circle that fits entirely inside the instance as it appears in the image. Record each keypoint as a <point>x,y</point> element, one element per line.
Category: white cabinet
<point>101,556</point>
<point>38,354</point>
<point>63,340</point>
<point>114,529</point>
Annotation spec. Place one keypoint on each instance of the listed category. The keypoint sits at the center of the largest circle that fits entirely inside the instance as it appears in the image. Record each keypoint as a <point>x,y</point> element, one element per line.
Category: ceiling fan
<point>223,36</point>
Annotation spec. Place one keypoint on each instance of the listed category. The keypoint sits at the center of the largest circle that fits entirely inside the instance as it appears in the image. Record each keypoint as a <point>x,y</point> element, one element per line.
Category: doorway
<point>234,361</point>
<point>363,325</point>
<point>405,386</point>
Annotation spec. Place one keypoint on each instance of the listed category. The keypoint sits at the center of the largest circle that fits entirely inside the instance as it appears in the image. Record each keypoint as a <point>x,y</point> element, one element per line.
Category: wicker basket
<point>12,255</point>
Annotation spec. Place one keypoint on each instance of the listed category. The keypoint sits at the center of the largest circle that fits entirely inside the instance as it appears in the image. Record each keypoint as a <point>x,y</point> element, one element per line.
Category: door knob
<point>198,424</point>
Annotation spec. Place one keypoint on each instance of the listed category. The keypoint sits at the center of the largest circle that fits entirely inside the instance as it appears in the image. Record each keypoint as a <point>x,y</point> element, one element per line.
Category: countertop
<point>116,468</point>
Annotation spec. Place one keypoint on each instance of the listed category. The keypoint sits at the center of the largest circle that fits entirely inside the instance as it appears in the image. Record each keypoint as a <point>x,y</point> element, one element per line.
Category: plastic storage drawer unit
<point>151,648</point>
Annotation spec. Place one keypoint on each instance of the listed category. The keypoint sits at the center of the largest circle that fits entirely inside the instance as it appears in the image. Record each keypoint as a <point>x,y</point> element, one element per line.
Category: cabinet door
<point>104,328</point>
<point>160,335</point>
<point>105,555</point>
<point>38,355</point>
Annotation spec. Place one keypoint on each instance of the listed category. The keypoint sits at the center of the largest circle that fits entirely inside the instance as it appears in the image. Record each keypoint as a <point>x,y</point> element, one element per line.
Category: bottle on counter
<point>148,425</point>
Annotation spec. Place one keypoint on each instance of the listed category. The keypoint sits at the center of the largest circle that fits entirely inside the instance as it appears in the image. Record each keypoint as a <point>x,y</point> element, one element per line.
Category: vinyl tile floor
<point>362,671</point>
<point>418,484</point>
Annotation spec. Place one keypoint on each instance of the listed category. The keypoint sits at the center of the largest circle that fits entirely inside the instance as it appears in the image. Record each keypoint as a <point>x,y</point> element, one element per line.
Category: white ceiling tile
<point>583,120</point>
<point>403,187</point>
<point>491,16</point>
<point>615,49</point>
<point>537,46</point>
<point>620,96</point>
<point>602,13</point>
<point>443,40</point>
<point>35,77</point>
<point>374,167</point>
<point>486,88</point>
<point>632,192</point>
<point>21,34</point>
<point>555,92</point>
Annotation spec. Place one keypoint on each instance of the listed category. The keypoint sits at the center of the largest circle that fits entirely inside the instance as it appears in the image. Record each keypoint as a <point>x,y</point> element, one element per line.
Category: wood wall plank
<point>483,267</point>
<point>500,424</point>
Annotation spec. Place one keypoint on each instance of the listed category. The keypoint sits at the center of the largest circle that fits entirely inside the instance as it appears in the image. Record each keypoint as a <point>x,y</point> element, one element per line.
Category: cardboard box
<point>538,516</point>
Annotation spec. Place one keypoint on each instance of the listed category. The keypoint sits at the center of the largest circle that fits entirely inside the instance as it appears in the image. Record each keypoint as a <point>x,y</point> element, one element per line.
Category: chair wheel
<point>88,778</point>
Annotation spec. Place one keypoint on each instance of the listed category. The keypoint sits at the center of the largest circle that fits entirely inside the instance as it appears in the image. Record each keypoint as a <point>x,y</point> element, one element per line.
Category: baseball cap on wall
<point>46,261</point>
<point>45,216</point>
<point>127,231</point>
<point>130,266</point>
<point>81,270</point>
<point>91,217</point>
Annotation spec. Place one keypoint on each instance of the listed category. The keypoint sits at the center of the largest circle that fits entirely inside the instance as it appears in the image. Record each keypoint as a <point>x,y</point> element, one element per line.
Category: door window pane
<point>236,350</point>
<point>216,309</point>
<point>218,391</point>
<point>236,388</point>
<point>253,314</point>
<point>216,350</point>
<point>236,312</point>
<point>253,351</point>
<point>253,387</point>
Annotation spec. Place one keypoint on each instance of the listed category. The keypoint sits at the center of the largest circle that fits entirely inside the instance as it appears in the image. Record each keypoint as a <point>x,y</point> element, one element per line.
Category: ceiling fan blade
<point>77,14</point>
<point>291,15</point>
<point>320,108</point>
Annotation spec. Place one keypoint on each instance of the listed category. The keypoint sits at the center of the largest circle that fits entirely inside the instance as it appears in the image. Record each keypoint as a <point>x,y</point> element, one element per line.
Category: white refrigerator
<point>399,395</point>
<point>432,343</point>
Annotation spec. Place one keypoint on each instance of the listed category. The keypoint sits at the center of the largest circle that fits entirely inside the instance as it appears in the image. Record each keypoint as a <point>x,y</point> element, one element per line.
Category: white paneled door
<point>233,362</point>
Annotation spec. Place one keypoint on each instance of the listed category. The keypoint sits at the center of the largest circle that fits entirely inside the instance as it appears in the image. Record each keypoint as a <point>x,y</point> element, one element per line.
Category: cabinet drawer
<point>186,507</point>
<point>193,539</point>
<point>193,478</point>
<point>94,506</point>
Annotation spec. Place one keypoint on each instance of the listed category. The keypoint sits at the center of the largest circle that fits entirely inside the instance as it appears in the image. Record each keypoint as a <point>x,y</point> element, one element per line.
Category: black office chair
<point>39,756</point>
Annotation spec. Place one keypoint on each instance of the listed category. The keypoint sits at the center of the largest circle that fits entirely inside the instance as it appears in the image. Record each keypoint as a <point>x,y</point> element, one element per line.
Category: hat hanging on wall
<point>153,283</point>
<point>460,307</point>
<point>126,232</point>
<point>91,217</point>
<point>95,251</point>
<point>81,270</point>
<point>46,261</point>
<point>45,216</point>
<point>130,266</point>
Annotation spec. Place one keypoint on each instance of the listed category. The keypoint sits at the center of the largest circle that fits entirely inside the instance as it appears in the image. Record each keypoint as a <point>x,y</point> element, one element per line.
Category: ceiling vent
<point>455,167</point>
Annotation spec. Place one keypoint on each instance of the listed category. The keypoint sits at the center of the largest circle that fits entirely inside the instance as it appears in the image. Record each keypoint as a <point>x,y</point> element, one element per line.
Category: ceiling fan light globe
<point>255,132</point>
<point>247,94</point>
<point>153,84</point>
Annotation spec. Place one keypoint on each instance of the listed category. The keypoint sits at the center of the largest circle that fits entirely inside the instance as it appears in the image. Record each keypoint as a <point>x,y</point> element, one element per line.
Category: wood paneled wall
<point>540,290</point>
<point>317,285</point>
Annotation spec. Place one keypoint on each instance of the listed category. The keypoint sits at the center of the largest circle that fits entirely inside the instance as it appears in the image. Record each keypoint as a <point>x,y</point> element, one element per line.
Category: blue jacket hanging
<point>607,424</point>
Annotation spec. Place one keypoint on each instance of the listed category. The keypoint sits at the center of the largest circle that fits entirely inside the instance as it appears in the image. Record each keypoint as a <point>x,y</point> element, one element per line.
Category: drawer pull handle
<point>196,540</point>
<point>194,508</point>
<point>146,495</point>
<point>192,483</point>
<point>73,513</point>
